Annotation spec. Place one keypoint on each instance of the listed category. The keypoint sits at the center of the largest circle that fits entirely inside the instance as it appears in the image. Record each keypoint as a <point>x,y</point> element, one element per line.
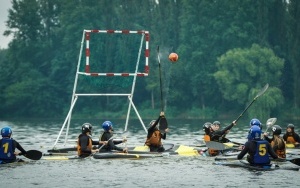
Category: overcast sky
<point>4,6</point>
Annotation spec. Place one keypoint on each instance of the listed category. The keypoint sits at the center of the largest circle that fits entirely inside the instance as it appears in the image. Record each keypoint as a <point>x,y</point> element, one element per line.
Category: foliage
<point>227,51</point>
<point>241,72</point>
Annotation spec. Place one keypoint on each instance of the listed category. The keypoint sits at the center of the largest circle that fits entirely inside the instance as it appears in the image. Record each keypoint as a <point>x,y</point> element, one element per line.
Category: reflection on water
<point>172,171</point>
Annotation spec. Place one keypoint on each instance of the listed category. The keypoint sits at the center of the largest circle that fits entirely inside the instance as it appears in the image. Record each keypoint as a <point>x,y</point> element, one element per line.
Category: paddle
<point>33,154</point>
<point>163,124</point>
<point>160,81</point>
<point>262,91</point>
<point>295,161</point>
<point>105,144</point>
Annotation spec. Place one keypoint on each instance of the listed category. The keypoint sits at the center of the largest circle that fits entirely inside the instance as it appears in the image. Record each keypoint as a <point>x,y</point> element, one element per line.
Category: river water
<point>171,171</point>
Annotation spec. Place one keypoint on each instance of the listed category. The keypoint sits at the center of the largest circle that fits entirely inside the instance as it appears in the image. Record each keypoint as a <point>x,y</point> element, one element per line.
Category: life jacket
<point>290,139</point>
<point>206,138</point>
<point>154,140</point>
<point>7,149</point>
<point>211,152</point>
<point>89,145</point>
<point>261,155</point>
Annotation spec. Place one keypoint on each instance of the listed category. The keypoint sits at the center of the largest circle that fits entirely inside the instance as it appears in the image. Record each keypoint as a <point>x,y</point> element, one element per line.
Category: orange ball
<point>173,57</point>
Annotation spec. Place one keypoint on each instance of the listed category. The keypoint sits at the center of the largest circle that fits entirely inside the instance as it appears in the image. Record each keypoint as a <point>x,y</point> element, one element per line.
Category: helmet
<point>255,133</point>
<point>152,122</point>
<point>216,123</point>
<point>291,126</point>
<point>107,125</point>
<point>256,122</point>
<point>206,127</point>
<point>6,131</point>
<point>276,129</point>
<point>86,127</point>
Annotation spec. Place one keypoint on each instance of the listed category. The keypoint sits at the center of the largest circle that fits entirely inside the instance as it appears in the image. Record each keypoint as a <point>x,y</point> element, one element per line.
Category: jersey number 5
<point>262,149</point>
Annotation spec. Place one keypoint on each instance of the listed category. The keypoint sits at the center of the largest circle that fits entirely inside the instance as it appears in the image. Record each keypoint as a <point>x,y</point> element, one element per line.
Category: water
<point>172,171</point>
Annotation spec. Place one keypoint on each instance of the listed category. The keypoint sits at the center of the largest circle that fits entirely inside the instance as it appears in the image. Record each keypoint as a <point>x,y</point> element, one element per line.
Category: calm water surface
<point>172,171</point>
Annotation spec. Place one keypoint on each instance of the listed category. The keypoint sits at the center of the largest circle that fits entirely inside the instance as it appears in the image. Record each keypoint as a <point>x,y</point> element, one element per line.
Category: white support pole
<point>75,85</point>
<point>133,85</point>
<point>137,113</point>
<point>67,118</point>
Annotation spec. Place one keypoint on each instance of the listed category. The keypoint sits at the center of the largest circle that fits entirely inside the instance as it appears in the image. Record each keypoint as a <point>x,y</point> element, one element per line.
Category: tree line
<point>228,50</point>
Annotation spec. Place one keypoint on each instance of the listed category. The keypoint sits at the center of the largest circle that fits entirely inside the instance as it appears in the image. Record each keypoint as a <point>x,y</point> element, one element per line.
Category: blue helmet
<point>256,122</point>
<point>255,133</point>
<point>6,131</point>
<point>107,125</point>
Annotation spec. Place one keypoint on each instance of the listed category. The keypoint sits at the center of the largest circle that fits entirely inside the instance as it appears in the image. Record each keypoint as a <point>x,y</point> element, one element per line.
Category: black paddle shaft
<point>262,91</point>
<point>160,80</point>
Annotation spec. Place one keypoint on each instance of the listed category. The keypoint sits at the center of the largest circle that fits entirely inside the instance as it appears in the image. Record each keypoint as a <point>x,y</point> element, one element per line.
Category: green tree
<point>242,72</point>
<point>294,55</point>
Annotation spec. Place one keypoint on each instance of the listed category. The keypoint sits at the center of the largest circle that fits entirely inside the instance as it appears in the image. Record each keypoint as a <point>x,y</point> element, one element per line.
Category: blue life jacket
<point>7,149</point>
<point>261,155</point>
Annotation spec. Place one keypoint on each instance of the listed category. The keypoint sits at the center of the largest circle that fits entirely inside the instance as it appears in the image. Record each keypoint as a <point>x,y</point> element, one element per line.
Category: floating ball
<point>173,57</point>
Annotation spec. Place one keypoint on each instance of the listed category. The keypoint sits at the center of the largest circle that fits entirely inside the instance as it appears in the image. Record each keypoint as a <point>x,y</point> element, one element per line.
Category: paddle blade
<point>215,145</point>
<point>187,151</point>
<point>295,161</point>
<point>141,148</point>
<point>33,155</point>
<point>262,91</point>
<point>271,121</point>
<point>163,124</point>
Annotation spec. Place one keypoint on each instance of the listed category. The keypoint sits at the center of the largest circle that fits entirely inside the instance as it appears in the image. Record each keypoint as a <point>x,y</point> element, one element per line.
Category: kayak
<point>245,164</point>
<point>136,152</point>
<point>17,161</point>
<point>119,155</point>
<point>105,155</point>
<point>139,152</point>
<point>61,158</point>
<point>292,146</point>
<point>72,149</point>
